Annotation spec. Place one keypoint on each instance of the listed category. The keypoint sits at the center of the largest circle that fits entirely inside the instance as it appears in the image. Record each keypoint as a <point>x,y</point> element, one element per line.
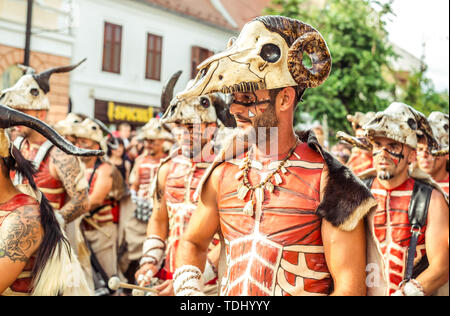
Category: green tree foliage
<point>420,92</point>
<point>357,39</point>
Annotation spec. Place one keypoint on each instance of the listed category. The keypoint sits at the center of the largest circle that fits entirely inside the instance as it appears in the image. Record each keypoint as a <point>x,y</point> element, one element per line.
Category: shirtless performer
<point>289,224</point>
<point>105,191</point>
<point>142,176</point>
<point>408,240</point>
<point>176,183</point>
<point>35,257</point>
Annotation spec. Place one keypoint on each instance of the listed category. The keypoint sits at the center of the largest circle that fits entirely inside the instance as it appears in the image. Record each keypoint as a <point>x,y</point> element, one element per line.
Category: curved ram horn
<point>43,79</point>
<point>302,38</point>
<point>167,92</point>
<point>10,117</point>
<point>424,126</point>
<point>361,143</point>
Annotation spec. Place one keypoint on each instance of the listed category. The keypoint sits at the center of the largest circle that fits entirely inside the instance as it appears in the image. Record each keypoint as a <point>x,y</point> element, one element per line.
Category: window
<point>154,52</point>
<point>198,55</point>
<point>112,47</point>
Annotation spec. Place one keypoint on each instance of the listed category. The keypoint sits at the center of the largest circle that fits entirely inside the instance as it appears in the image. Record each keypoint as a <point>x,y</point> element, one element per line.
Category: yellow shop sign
<point>117,112</point>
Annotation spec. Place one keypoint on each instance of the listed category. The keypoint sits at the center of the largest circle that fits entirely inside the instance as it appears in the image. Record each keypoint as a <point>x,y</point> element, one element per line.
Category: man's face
<point>154,146</point>
<point>125,131</point>
<point>391,158</point>
<point>255,114</point>
<point>39,114</point>
<point>86,143</point>
<point>192,137</point>
<point>426,161</point>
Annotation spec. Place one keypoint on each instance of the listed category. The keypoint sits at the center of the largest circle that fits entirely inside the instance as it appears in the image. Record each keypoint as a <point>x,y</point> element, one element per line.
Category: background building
<point>132,48</point>
<point>51,45</point>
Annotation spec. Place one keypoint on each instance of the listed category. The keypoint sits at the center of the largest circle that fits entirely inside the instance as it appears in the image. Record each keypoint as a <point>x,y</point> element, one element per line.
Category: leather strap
<point>40,156</point>
<point>417,213</point>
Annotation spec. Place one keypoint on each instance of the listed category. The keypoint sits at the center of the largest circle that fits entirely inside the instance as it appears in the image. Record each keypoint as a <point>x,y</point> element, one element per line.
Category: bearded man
<point>174,193</point>
<point>287,221</point>
<point>155,138</point>
<point>436,165</point>
<point>409,229</point>
<point>105,192</point>
<point>59,175</point>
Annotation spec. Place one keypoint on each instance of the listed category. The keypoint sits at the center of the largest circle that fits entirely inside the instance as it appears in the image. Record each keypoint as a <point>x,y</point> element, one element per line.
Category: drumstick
<point>114,284</point>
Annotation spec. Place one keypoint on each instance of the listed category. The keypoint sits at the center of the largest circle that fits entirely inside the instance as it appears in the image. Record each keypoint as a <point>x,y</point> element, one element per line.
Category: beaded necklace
<point>266,183</point>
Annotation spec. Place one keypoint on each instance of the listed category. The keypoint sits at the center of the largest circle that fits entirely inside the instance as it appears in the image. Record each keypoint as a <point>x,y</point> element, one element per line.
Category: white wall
<point>89,82</point>
<point>12,28</point>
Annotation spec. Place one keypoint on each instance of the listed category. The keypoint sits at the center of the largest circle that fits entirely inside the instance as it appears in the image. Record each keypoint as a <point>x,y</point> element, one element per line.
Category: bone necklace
<point>266,183</point>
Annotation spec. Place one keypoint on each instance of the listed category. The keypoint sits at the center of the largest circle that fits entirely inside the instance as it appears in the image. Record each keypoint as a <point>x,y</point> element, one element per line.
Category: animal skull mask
<point>439,124</point>
<point>30,92</point>
<point>212,108</point>
<point>268,54</point>
<point>90,129</point>
<point>401,123</point>
<point>154,130</point>
<point>360,119</point>
<point>67,126</point>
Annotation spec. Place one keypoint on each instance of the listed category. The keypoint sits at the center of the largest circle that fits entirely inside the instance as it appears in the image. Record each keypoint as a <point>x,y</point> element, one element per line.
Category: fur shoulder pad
<point>346,199</point>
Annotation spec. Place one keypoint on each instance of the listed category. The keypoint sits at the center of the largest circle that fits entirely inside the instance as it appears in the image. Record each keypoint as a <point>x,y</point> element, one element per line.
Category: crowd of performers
<point>226,197</point>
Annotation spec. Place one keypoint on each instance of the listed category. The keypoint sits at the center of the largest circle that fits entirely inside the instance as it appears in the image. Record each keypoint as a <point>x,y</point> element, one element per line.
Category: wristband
<point>410,288</point>
<point>153,251</point>
<point>188,281</point>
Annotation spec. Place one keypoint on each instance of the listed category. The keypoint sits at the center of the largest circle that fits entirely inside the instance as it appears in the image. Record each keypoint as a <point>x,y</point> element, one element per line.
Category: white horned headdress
<point>67,126</point>
<point>212,108</point>
<point>439,124</point>
<point>268,54</point>
<point>30,92</point>
<point>401,123</point>
<point>359,119</point>
<point>154,130</point>
<point>94,130</point>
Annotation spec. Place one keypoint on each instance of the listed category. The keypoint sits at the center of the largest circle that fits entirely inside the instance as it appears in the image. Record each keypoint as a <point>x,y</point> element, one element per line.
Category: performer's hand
<point>145,273</point>
<point>165,289</point>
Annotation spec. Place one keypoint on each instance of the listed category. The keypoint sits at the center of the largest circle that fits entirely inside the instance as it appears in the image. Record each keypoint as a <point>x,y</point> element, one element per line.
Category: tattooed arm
<point>20,236</point>
<point>69,171</point>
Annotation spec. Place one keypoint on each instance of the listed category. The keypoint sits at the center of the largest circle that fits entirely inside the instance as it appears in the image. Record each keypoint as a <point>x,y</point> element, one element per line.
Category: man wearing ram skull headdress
<point>174,200</point>
<point>436,164</point>
<point>288,224</point>
<point>408,239</point>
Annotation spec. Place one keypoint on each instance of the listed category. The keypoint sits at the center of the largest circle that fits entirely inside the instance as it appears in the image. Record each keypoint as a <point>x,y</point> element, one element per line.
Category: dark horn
<point>10,117</point>
<point>167,92</point>
<point>43,79</point>
<point>105,129</point>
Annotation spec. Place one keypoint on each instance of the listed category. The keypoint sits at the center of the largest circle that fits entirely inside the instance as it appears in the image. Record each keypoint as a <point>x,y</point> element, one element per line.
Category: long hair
<point>53,235</point>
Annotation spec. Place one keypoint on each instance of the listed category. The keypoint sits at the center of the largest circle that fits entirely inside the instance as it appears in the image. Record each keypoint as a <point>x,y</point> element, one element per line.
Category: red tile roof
<point>202,10</point>
<point>245,11</point>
